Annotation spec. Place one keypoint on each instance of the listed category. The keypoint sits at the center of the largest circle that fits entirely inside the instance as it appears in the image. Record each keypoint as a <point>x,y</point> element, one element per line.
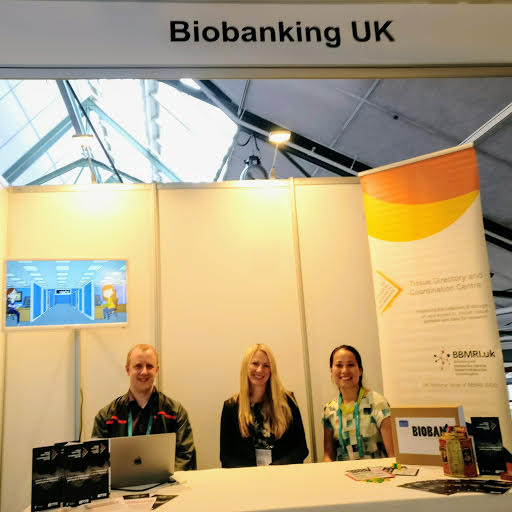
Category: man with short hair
<point>144,410</point>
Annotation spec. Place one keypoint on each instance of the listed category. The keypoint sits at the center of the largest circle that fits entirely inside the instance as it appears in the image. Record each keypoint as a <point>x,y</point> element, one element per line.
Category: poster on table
<point>437,324</point>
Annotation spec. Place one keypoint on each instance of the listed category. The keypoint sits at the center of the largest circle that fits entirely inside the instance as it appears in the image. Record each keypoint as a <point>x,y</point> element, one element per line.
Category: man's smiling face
<point>142,370</point>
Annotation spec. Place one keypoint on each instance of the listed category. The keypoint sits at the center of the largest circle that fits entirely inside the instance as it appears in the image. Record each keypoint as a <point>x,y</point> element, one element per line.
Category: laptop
<point>141,460</point>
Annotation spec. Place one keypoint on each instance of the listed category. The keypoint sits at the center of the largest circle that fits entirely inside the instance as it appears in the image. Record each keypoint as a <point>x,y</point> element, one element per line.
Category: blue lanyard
<point>340,427</point>
<point>130,424</point>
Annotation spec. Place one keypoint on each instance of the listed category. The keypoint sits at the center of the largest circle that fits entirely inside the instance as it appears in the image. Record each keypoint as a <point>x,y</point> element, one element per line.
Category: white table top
<point>315,487</point>
<point>321,486</point>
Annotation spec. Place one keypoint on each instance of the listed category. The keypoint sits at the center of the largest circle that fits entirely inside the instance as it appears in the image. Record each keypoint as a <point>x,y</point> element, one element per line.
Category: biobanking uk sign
<point>437,325</point>
<point>92,34</point>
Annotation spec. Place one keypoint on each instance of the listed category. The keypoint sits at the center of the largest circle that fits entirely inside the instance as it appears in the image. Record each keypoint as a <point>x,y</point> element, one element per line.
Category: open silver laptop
<point>141,460</point>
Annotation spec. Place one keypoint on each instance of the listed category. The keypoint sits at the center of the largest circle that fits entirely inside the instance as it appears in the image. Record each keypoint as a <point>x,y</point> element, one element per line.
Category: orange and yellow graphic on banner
<point>422,198</point>
<point>432,286</point>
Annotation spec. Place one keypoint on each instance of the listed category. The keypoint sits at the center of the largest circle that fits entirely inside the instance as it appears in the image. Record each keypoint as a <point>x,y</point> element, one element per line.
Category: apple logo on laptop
<point>137,461</point>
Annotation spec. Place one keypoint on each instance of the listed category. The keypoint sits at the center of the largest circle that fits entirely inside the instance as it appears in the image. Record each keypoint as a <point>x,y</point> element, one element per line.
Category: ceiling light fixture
<point>84,140</point>
<point>277,137</point>
<point>253,169</point>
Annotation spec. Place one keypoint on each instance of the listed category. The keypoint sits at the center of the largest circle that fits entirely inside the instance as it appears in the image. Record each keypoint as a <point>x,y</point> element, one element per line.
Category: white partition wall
<point>228,280</point>
<point>212,269</point>
<point>3,251</point>
<point>39,407</point>
<point>340,307</point>
<point>39,391</point>
<point>128,233</point>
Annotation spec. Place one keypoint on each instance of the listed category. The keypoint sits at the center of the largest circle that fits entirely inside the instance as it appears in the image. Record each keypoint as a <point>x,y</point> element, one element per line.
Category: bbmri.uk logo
<point>442,359</point>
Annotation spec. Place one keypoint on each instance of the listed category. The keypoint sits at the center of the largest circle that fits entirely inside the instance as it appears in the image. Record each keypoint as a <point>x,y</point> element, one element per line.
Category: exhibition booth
<point>212,268</point>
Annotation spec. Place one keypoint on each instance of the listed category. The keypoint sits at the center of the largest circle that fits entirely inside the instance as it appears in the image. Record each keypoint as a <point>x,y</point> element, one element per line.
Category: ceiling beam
<point>504,294</point>
<point>244,97</point>
<point>36,151</point>
<point>490,126</point>
<point>82,162</point>
<point>295,164</point>
<point>76,120</point>
<point>133,142</point>
<point>73,112</point>
<point>497,234</point>
<point>122,173</point>
<point>186,89</point>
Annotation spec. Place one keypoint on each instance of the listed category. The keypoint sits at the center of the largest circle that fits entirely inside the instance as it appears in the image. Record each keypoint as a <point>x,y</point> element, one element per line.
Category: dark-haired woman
<point>357,423</point>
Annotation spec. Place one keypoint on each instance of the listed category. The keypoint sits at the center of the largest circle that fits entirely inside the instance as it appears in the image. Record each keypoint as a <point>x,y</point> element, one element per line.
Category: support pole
<point>78,387</point>
<point>302,321</point>
<point>156,279</point>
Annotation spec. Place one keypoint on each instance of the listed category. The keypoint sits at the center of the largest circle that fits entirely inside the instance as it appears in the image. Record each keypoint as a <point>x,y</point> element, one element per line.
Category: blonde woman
<point>261,424</point>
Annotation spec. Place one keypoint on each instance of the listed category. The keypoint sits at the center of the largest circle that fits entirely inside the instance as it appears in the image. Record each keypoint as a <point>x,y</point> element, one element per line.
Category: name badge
<point>263,457</point>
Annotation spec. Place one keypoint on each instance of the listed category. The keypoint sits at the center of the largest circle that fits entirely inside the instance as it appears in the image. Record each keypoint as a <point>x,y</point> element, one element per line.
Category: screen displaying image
<point>65,292</point>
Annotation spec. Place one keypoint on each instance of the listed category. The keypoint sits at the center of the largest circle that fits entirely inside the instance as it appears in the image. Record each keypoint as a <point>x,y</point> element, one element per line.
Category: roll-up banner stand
<point>436,318</point>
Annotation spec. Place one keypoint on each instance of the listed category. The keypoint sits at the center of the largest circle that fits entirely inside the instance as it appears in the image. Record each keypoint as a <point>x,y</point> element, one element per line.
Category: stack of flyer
<point>70,474</point>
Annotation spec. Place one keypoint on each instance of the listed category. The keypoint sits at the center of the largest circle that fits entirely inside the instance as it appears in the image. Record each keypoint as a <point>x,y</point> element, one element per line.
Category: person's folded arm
<point>329,455</point>
<point>185,449</point>
<point>387,436</point>
<point>228,433</point>
<point>381,412</point>
<point>100,429</point>
<point>297,448</point>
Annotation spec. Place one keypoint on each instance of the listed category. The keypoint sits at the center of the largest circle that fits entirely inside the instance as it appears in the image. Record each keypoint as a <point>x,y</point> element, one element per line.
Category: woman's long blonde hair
<point>114,294</point>
<point>275,404</point>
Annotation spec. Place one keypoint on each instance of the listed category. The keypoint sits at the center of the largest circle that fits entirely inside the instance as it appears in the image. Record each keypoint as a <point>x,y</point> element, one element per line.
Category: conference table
<point>314,487</point>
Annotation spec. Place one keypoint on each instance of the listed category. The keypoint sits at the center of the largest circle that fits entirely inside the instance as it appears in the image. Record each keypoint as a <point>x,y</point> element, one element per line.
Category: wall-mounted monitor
<point>57,293</point>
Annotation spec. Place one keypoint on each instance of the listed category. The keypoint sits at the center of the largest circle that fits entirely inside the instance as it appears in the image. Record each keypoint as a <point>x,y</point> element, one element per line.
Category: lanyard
<point>130,424</point>
<point>340,426</point>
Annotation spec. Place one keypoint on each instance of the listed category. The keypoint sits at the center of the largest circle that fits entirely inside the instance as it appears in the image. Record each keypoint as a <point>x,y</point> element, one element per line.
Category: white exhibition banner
<point>437,323</point>
<point>92,34</point>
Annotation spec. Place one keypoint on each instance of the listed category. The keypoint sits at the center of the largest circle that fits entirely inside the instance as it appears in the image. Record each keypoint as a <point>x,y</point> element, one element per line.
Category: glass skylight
<point>151,131</point>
